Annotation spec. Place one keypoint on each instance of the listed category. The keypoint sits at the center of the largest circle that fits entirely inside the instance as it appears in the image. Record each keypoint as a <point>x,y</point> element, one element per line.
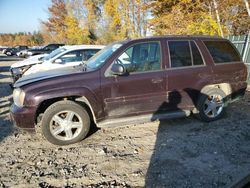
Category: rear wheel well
<point>225,87</point>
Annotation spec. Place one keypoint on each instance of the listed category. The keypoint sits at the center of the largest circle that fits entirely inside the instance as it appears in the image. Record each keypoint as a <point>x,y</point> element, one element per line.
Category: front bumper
<point>23,117</point>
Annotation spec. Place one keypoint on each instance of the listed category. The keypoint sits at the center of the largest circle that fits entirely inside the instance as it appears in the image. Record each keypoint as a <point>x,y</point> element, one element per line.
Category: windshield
<point>54,53</point>
<point>99,58</point>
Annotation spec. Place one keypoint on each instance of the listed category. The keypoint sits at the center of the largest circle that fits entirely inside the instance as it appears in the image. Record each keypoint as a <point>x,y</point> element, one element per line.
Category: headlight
<point>17,71</point>
<point>20,70</point>
<point>18,97</point>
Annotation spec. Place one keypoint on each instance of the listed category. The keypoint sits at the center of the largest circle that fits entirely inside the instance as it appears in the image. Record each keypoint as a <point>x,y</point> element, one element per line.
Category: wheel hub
<point>66,125</point>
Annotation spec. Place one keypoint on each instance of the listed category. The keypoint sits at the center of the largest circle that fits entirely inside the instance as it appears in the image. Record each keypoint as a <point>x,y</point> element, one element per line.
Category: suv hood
<point>30,61</point>
<point>47,74</point>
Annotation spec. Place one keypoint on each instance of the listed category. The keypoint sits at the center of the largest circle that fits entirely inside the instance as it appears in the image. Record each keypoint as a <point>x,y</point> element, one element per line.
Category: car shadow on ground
<point>4,69</point>
<point>6,127</point>
<point>10,58</point>
<point>179,160</point>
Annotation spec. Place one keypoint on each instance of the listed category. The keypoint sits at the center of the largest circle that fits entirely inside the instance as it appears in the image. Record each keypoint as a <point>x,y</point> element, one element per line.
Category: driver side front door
<point>143,89</point>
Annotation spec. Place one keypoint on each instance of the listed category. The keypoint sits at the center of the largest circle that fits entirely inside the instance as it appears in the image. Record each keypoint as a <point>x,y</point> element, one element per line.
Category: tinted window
<point>86,54</point>
<point>197,59</point>
<point>222,51</point>
<point>141,57</point>
<point>23,47</point>
<point>180,53</point>
<point>51,47</point>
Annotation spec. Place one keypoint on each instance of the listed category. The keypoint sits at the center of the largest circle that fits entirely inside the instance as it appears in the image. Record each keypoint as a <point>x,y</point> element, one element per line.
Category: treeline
<point>104,21</point>
<point>29,39</point>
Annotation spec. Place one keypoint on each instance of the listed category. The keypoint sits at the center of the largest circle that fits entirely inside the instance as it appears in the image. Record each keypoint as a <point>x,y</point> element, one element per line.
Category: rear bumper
<point>23,117</point>
<point>238,91</point>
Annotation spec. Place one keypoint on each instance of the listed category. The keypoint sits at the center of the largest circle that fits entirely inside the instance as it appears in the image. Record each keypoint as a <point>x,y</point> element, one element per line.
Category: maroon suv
<point>132,81</point>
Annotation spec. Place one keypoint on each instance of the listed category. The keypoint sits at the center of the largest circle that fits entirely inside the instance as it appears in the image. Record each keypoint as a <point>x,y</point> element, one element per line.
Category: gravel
<point>175,153</point>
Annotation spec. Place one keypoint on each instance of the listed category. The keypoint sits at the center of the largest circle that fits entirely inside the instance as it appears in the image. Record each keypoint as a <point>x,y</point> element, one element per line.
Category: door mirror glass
<point>117,69</point>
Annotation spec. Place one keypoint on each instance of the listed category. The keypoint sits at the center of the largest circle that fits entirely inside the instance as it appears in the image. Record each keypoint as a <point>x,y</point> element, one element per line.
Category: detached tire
<point>211,105</point>
<point>65,122</point>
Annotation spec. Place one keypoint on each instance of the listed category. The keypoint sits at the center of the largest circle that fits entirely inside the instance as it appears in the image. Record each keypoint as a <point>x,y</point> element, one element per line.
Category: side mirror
<point>118,69</point>
<point>58,61</point>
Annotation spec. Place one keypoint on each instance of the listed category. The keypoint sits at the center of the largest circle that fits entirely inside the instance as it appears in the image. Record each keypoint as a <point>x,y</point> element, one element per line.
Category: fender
<point>83,93</point>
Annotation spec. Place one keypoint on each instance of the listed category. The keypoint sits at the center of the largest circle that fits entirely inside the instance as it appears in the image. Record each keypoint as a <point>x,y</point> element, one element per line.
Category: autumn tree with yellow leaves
<point>210,17</point>
<point>105,21</point>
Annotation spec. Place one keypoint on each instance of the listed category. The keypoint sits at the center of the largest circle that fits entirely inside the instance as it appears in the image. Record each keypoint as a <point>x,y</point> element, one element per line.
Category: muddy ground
<point>174,153</point>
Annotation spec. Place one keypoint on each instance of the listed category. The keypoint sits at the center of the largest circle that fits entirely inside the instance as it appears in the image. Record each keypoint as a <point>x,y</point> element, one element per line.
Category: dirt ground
<point>174,153</point>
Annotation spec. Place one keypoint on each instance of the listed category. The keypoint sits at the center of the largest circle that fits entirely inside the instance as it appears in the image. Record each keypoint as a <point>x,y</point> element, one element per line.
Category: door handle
<point>156,80</point>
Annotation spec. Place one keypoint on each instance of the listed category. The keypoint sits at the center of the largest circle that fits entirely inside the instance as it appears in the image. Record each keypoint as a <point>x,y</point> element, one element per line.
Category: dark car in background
<point>15,50</point>
<point>132,81</point>
<point>45,50</point>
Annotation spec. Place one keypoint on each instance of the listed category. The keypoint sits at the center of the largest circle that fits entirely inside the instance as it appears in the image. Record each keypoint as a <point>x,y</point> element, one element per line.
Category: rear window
<point>222,51</point>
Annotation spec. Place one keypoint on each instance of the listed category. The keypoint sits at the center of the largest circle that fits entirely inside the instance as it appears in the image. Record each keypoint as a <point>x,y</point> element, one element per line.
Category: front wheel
<point>211,105</point>
<point>65,122</point>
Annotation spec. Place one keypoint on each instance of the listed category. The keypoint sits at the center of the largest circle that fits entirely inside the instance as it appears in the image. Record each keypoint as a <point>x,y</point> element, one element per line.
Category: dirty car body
<point>137,80</point>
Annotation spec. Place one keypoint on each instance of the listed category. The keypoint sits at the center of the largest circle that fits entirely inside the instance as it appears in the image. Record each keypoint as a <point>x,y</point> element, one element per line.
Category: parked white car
<point>65,56</point>
<point>17,69</point>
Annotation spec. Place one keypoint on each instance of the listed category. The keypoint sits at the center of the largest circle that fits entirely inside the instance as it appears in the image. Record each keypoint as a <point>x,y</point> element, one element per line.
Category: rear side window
<point>197,59</point>
<point>222,51</point>
<point>184,53</point>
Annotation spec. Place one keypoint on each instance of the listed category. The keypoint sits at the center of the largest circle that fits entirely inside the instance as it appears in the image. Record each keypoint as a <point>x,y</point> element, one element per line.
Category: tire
<point>65,122</point>
<point>211,105</point>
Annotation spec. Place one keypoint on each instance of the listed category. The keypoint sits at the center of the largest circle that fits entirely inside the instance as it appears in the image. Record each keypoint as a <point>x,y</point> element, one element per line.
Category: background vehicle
<point>133,81</point>
<point>24,53</point>
<point>17,69</point>
<point>15,50</point>
<point>62,57</point>
<point>2,49</point>
<point>45,50</point>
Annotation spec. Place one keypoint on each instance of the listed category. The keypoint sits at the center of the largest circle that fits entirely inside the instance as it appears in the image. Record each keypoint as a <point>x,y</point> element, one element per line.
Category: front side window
<point>184,54</point>
<point>73,56</point>
<point>141,57</point>
<point>222,51</point>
